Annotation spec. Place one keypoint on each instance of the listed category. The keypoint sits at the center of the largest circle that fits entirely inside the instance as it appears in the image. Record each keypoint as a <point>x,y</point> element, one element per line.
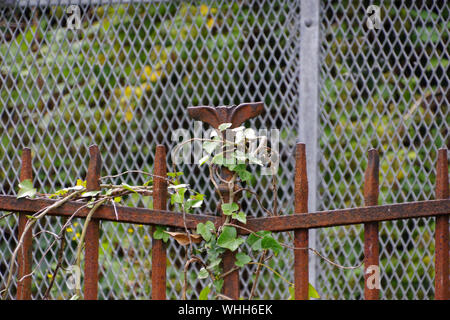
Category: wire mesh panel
<point>384,87</point>
<point>121,75</point>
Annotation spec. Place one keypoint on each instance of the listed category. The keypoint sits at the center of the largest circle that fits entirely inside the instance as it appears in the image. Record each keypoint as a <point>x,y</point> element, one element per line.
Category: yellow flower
<point>147,72</point>
<point>145,237</point>
<point>129,115</point>
<point>77,235</point>
<point>128,91</point>
<point>140,226</point>
<point>75,224</point>
<point>154,76</point>
<point>130,230</point>
<point>204,9</point>
<point>138,92</point>
<point>49,276</point>
<point>146,87</point>
<point>69,230</point>
<point>210,23</point>
<point>81,183</point>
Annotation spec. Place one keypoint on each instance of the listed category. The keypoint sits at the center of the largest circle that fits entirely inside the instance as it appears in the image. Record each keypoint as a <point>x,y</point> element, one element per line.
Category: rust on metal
<point>93,229</point>
<point>442,230</point>
<point>300,222</point>
<point>159,260</point>
<point>106,212</point>
<point>301,240</point>
<point>24,257</point>
<point>371,241</point>
<point>236,115</point>
<point>319,219</point>
<point>214,116</point>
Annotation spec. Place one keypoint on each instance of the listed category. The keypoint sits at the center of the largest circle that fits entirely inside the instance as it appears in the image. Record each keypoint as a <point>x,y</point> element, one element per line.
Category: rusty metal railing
<point>300,222</point>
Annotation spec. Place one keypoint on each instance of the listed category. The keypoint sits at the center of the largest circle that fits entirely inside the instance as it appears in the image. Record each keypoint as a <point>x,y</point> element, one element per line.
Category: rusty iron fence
<point>388,88</point>
<point>300,222</point>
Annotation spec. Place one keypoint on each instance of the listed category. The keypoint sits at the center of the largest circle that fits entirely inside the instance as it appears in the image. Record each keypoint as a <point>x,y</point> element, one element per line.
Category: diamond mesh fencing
<point>123,80</point>
<point>386,89</point>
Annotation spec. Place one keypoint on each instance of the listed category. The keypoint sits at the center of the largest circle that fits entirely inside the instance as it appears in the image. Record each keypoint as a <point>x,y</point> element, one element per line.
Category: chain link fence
<point>123,77</point>
<point>386,89</point>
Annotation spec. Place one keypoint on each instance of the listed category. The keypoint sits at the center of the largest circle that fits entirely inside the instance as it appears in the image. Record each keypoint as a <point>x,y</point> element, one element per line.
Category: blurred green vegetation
<point>378,90</point>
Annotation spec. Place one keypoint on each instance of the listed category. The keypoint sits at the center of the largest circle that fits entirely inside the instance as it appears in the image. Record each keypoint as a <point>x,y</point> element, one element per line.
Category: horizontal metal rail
<point>319,219</point>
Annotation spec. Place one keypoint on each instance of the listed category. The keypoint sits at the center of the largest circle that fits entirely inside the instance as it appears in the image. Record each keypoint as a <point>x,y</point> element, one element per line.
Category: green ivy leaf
<point>236,167</point>
<point>174,174</point>
<point>210,146</point>
<point>178,197</point>
<point>241,217</point>
<point>214,263</point>
<point>242,259</point>
<point>218,159</point>
<point>128,187</point>
<point>245,176</point>
<point>90,194</point>
<point>192,203</point>
<point>229,208</point>
<point>228,240</point>
<point>224,126</point>
<point>312,292</point>
<point>218,284</point>
<point>160,234</point>
<point>268,242</point>
<point>202,274</point>
<point>203,160</point>
<point>26,189</point>
<point>148,182</point>
<point>254,240</point>
<point>204,293</point>
<point>205,231</point>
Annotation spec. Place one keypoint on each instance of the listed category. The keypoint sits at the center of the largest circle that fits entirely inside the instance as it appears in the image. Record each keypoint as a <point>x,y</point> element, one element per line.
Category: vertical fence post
<point>309,88</point>
<point>442,230</point>
<point>231,281</point>
<point>371,243</point>
<point>24,257</point>
<point>159,259</point>
<point>93,229</point>
<point>301,266</point>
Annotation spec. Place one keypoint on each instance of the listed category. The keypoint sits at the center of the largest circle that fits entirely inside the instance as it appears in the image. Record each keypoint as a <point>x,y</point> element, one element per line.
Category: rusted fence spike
<point>442,230</point>
<point>159,260</point>
<point>301,264</point>
<point>371,243</point>
<point>24,257</point>
<point>93,229</point>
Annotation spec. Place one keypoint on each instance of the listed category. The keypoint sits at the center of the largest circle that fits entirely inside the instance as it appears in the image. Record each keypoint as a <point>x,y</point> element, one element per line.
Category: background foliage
<point>131,67</point>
